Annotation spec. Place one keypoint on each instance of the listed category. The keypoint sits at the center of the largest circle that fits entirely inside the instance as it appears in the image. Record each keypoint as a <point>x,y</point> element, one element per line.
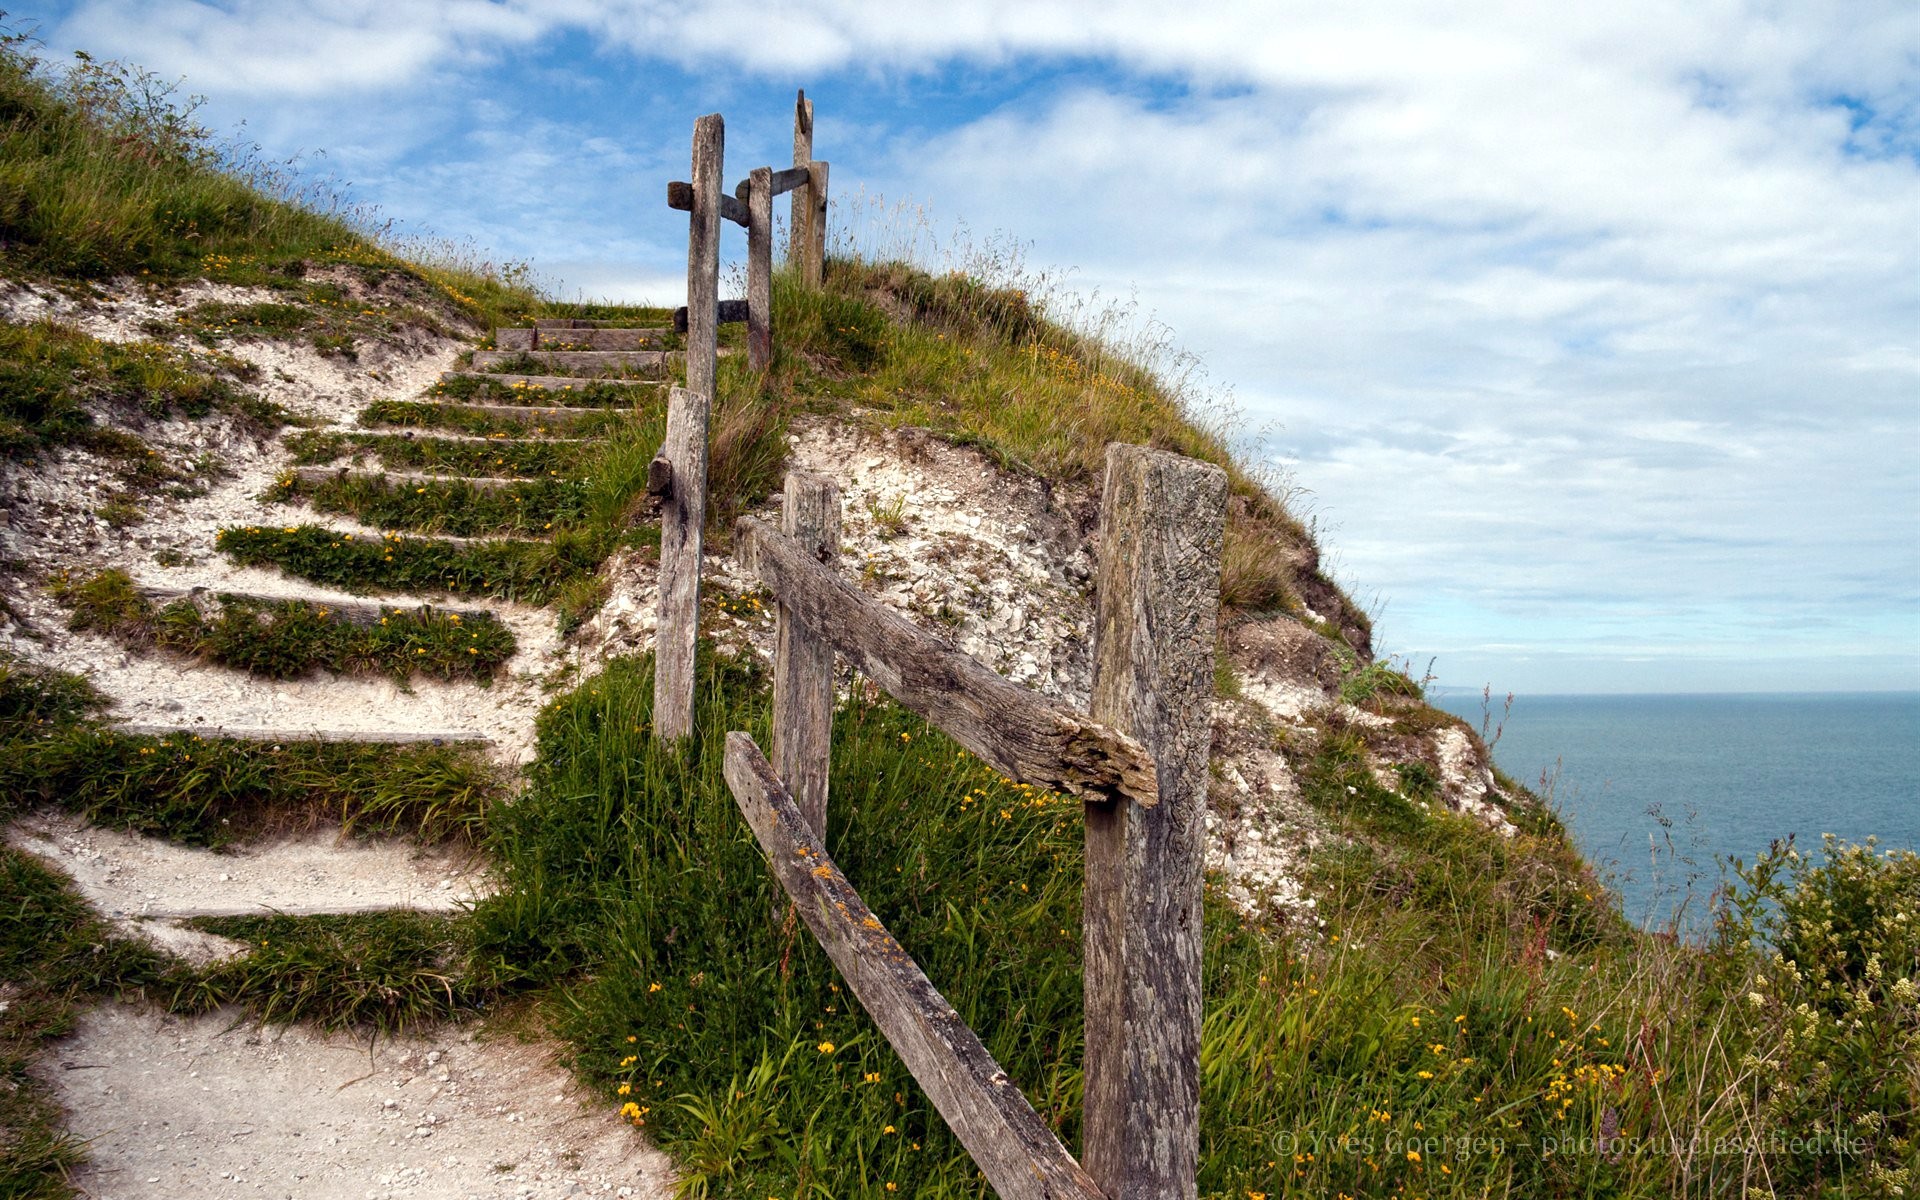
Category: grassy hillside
<point>1467,1015</point>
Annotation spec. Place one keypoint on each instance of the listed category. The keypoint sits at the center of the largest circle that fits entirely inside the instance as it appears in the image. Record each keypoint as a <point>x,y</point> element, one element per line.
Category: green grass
<point>533,507</point>
<point>53,378</point>
<point>1468,990</point>
<point>497,457</point>
<point>387,972</point>
<point>454,418</point>
<point>105,171</point>
<point>55,952</point>
<point>529,572</point>
<point>479,390</point>
<point>211,791</point>
<point>288,639</point>
<point>987,367</point>
<point>534,362</point>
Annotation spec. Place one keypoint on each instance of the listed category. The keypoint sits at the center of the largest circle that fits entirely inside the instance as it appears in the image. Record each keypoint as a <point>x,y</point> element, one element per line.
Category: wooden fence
<point>1139,761</point>
<point>679,474</point>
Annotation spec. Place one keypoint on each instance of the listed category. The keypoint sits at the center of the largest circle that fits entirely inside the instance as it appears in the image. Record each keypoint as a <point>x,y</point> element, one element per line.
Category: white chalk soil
<point>147,887</point>
<point>997,564</point>
<point>215,1108</point>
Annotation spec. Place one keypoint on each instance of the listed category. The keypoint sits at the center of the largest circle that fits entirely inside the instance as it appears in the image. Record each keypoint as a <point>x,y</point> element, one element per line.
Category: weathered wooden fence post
<point>798,237</point>
<point>813,269</point>
<point>1161,523</point>
<point>760,268</point>
<point>803,660</point>
<point>683,515</point>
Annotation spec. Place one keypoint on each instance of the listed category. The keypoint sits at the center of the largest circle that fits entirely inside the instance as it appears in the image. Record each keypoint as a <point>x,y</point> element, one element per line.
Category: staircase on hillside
<point>483,462</point>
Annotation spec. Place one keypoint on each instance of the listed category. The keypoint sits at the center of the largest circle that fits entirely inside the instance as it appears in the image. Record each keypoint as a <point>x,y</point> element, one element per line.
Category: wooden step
<point>451,737</point>
<point>552,383</point>
<point>354,612</point>
<point>587,363</point>
<point>564,323</point>
<point>580,339</point>
<point>483,483</point>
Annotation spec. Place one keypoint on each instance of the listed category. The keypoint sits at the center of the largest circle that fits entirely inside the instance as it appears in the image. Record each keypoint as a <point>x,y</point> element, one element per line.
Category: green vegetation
<point>290,638</point>
<point>451,506</point>
<point>383,971</point>
<point>478,422</point>
<point>530,572</point>
<point>598,394</point>
<point>214,791</point>
<point>52,376</point>
<point>105,171</point>
<point>54,951</point>
<point>498,457</point>
<point>1469,991</point>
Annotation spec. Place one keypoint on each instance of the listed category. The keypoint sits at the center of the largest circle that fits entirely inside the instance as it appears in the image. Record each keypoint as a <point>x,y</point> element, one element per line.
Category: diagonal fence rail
<point>1139,762</point>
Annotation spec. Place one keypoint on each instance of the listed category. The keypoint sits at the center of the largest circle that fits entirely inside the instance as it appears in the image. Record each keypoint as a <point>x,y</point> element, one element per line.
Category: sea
<point>1659,791</point>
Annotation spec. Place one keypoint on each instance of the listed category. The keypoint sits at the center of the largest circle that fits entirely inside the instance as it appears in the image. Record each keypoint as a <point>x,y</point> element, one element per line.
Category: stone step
<point>580,339</point>
<point>484,483</point>
<point>357,612</point>
<point>451,737</point>
<point>554,383</point>
<point>586,363</point>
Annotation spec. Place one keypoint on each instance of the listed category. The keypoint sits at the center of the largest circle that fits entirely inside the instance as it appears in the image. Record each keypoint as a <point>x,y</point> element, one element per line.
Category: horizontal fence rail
<point>1013,730</point>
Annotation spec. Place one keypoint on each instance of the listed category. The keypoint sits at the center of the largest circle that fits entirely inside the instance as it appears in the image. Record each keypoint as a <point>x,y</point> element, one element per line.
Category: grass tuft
<point>499,457</point>
<point>290,638</point>
<point>529,572</point>
<point>381,971</point>
<point>450,506</point>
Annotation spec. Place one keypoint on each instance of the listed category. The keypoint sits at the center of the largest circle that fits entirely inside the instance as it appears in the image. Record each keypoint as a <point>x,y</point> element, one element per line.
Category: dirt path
<point>210,1109</point>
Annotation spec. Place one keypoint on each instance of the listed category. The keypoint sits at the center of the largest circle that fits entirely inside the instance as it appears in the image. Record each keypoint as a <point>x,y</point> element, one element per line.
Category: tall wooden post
<point>760,268</point>
<point>1161,523</point>
<point>803,660</point>
<point>684,513</point>
<point>813,268</point>
<point>798,238</point>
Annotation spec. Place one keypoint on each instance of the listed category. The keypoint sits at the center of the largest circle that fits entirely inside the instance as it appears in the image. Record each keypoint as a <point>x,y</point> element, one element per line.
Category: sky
<point>1587,336</point>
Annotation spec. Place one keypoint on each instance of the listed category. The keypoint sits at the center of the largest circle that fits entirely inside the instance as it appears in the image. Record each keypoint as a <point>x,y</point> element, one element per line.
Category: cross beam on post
<point>684,512</point>
<point>1161,524</point>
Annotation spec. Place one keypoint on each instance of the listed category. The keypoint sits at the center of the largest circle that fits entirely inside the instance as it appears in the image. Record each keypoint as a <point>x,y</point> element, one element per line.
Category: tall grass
<point>105,170</point>
<point>1473,1020</point>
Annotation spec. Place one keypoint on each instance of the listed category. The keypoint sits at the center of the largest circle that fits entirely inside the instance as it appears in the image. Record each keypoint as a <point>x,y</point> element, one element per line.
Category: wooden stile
<point>803,660</point>
<point>760,269</point>
<point>684,509</point>
<point>1020,1156</point>
<point>1162,518</point>
<point>1013,730</point>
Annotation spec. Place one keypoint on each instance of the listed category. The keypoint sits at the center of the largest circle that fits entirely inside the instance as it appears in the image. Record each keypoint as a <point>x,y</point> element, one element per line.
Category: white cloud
<point>1552,300</point>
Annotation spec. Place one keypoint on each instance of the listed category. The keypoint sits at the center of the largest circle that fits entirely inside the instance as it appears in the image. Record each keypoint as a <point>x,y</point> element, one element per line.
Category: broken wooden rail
<point>1139,761</point>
